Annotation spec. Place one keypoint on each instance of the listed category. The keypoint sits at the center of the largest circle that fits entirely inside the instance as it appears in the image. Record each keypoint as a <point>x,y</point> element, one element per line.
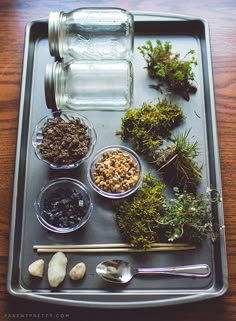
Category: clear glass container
<point>70,149</point>
<point>58,186</point>
<point>108,156</point>
<point>89,84</point>
<point>91,33</point>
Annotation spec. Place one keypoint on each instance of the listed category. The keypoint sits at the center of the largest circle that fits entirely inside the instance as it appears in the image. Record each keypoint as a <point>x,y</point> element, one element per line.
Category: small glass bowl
<point>37,137</point>
<point>115,194</point>
<point>50,200</point>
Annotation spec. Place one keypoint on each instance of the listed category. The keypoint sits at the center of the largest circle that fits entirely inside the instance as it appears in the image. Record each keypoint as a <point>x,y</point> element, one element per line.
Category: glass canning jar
<point>89,84</point>
<point>91,33</point>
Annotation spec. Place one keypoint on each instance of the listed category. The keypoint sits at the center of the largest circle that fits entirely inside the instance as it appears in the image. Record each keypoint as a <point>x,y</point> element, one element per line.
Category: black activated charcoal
<point>64,208</point>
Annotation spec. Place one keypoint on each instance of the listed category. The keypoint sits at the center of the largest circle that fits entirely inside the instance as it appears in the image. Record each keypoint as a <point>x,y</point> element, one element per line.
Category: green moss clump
<point>137,215</point>
<point>148,125</point>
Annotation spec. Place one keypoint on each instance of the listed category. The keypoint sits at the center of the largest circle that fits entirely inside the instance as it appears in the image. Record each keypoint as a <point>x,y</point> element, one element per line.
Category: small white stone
<point>36,268</point>
<point>57,269</point>
<point>78,271</point>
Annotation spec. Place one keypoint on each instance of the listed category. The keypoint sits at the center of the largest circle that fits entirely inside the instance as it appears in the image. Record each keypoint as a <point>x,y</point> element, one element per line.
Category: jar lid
<point>49,86</point>
<point>53,33</point>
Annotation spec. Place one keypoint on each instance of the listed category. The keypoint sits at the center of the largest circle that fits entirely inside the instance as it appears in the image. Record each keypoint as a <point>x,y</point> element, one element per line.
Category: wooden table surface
<point>220,14</point>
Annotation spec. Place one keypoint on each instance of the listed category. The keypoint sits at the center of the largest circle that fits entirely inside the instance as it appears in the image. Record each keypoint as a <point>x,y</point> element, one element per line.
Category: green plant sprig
<point>187,218</point>
<point>168,68</point>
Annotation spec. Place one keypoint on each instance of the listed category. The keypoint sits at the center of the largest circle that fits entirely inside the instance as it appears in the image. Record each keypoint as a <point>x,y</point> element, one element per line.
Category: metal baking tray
<point>30,175</point>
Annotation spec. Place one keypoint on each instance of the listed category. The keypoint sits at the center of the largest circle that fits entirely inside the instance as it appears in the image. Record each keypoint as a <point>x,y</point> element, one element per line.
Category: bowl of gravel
<point>115,172</point>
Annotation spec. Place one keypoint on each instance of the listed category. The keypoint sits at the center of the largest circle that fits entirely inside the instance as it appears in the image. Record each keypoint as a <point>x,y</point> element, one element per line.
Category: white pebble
<point>78,271</point>
<point>37,268</point>
<point>57,269</point>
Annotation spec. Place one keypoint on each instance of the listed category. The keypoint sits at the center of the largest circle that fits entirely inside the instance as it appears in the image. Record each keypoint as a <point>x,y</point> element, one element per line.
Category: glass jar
<point>91,33</point>
<point>89,84</point>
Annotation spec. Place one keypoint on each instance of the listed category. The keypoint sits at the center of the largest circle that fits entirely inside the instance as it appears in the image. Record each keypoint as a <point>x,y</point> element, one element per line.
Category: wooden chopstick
<point>115,250</point>
<point>108,245</point>
<point>108,248</point>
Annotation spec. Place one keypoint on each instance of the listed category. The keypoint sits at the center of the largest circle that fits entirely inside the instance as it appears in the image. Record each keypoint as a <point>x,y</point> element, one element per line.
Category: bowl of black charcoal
<point>63,205</point>
<point>63,140</point>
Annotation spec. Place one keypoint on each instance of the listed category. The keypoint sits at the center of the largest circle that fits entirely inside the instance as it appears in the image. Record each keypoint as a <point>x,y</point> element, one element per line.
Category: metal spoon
<point>119,271</point>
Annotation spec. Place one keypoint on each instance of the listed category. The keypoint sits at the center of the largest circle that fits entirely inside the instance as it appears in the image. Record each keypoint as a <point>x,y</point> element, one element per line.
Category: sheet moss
<point>146,126</point>
<point>137,215</point>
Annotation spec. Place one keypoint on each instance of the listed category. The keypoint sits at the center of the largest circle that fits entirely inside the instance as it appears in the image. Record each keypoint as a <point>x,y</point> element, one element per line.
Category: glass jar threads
<point>91,33</point>
<point>89,84</point>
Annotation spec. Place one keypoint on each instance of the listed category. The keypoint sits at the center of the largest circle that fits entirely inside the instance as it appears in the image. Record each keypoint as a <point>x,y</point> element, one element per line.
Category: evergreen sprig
<point>176,162</point>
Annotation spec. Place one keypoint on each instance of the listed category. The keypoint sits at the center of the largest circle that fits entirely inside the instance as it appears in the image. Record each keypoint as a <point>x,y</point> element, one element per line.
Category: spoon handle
<point>198,270</point>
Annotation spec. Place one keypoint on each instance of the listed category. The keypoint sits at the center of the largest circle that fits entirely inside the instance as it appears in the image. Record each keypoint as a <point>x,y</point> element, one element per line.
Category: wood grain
<point>14,15</point>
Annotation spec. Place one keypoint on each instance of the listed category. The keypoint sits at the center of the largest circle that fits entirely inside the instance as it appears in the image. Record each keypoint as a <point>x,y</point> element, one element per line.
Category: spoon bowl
<point>119,271</point>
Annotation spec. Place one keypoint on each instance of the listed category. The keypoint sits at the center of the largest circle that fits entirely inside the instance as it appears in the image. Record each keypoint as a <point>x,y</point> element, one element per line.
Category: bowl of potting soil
<point>63,140</point>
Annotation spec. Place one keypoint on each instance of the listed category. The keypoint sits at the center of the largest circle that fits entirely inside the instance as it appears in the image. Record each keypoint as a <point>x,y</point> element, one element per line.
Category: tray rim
<point>187,296</point>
